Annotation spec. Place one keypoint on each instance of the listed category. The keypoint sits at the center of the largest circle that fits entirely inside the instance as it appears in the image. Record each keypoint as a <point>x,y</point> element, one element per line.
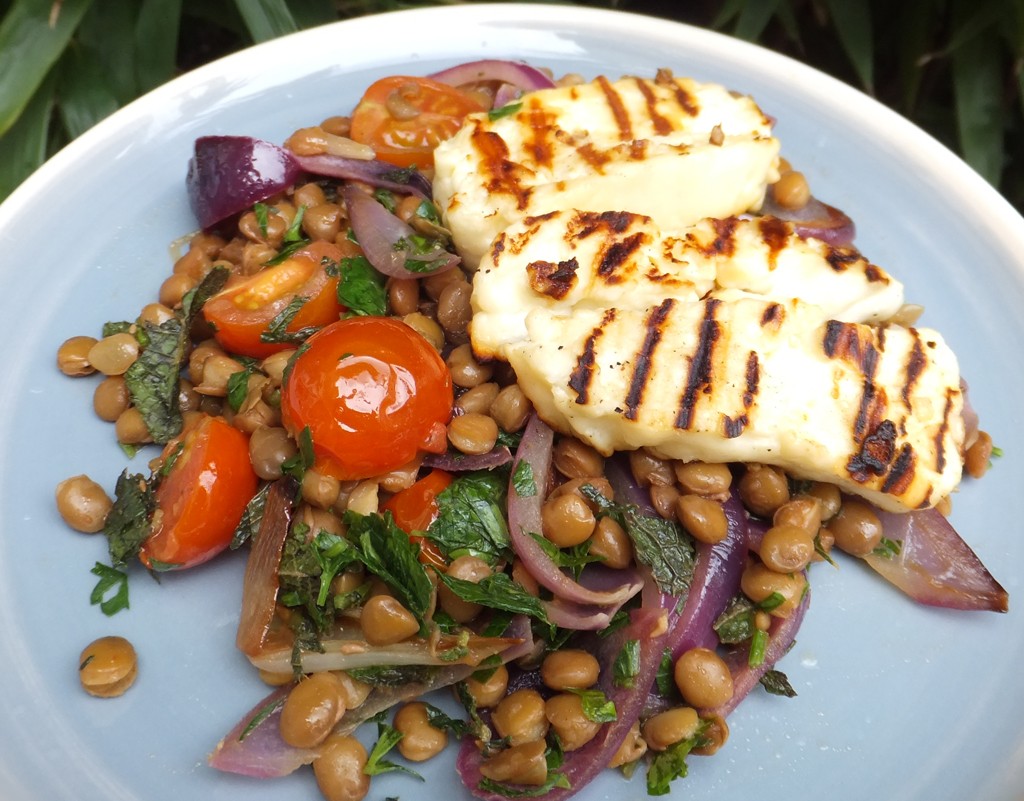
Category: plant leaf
<point>977,89</point>
<point>85,96</point>
<point>24,144</point>
<point>156,42</point>
<point>29,46</point>
<point>266,19</point>
<point>308,13</point>
<point>852,23</point>
<point>754,17</point>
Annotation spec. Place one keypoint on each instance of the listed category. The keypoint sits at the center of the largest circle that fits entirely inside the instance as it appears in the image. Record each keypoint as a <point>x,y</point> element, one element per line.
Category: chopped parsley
<point>597,707</point>
<point>777,683</point>
<point>505,111</point>
<point>387,738</point>
<point>497,591</point>
<point>360,287</point>
<point>626,667</point>
<point>471,517</point>
<point>111,591</point>
<point>670,764</point>
<point>523,481</point>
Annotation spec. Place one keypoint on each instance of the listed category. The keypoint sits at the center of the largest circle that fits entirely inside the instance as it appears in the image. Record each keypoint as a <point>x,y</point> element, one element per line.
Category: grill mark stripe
<point>617,108</point>
<point>662,127</point>
<point>915,366</point>
<point>902,472</point>
<point>684,99</point>
<point>868,364</point>
<point>699,373</point>
<point>753,378</point>
<point>940,451</point>
<point>638,381</point>
<point>583,373</point>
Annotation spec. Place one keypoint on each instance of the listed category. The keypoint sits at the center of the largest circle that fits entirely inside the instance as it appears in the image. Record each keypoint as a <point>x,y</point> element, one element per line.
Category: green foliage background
<point>955,67</point>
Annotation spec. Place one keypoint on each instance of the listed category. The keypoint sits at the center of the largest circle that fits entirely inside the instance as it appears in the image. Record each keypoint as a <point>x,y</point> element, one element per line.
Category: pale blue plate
<point>895,701</point>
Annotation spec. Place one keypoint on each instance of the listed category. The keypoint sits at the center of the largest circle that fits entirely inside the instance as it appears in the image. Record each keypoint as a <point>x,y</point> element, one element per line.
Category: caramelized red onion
<point>385,239</point>
<point>524,518</point>
<point>228,174</point>
<point>260,585</point>
<point>461,463</point>
<point>373,172</point>
<point>513,73</point>
<point>815,219</point>
<point>934,565</point>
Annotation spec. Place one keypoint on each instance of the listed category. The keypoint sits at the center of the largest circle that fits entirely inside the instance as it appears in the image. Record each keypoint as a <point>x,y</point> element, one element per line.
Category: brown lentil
<point>110,398</point>
<point>83,504</point>
<point>569,668</point>
<point>473,433</point>
<point>269,448</point>
<point>385,621</point>
<point>130,428</point>
<point>632,748</point>
<point>664,498</point>
<point>311,709</point>
<point>611,543</point>
<point>466,568</point>
<point>520,717</point>
<point>338,768</point>
<point>649,470</point>
<point>791,190</point>
<point>763,489</point>
<point>803,512</point>
<point>574,459</point>
<point>487,692</point>
<point>567,520</point>
<point>114,354</point>
<point>478,399</point>
<point>420,741</point>
<point>107,667</point>
<point>786,548</point>
<point>715,735</point>
<point>319,489</point>
<point>703,678</point>
<point>521,764</point>
<point>511,409</point>
<point>759,583</point>
<point>174,287</point>
<point>828,496</point>
<point>73,356</point>
<point>453,309</point>
<point>465,369</point>
<point>426,328</point>
<point>856,528</point>
<point>322,222</point>
<point>567,719</point>
<point>670,727</point>
<point>976,460</point>
<point>702,517</point>
<point>704,478</point>
<point>403,295</point>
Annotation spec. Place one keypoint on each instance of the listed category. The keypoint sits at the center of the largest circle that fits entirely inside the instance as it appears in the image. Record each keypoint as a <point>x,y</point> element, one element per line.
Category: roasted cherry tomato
<point>373,393</point>
<point>242,312</point>
<point>415,508</point>
<point>403,119</point>
<point>202,497</point>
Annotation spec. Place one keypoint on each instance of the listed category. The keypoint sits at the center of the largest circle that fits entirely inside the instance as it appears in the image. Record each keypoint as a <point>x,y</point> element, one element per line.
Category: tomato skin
<point>410,142</point>
<point>241,312</point>
<point>200,501</point>
<point>372,391</point>
<point>415,508</point>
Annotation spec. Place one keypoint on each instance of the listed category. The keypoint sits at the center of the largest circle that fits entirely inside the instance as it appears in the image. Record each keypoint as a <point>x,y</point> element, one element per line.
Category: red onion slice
<point>781,636</point>
<point>516,73</point>
<point>373,172</point>
<point>228,174</point>
<point>260,585</point>
<point>382,236</point>
<point>524,518</point>
<point>461,463</point>
<point>934,565</point>
<point>815,220</point>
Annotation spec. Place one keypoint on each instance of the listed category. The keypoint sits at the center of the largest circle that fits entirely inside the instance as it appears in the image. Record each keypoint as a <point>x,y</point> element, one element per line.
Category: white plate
<point>895,701</point>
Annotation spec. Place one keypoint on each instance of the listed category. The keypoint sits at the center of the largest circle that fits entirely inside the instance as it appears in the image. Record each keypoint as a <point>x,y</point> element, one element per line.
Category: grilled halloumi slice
<point>671,148</point>
<point>875,410</point>
<point>578,260</point>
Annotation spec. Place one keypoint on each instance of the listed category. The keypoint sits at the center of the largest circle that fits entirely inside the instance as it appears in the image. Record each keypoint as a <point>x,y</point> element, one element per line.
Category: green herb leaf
<point>670,764</point>
<point>523,481</point>
<point>265,712</point>
<point>238,387</point>
<point>286,252</point>
<point>388,553</point>
<point>110,578</point>
<point>627,665</point>
<point>758,645</point>
<point>888,549</point>
<point>736,622</point>
<point>773,601</point>
<point>277,329</point>
<point>664,680</point>
<point>334,554</point>
<point>249,525</point>
<point>294,233</point>
<point>505,111</point>
<point>497,591</point>
<point>387,738</point>
<point>262,212</point>
<point>393,675</point>
<point>596,705</point>
<point>471,517</point>
<point>777,683</point>
<point>128,523</point>
<point>297,465</point>
<point>360,287</point>
<point>574,558</point>
<point>439,720</point>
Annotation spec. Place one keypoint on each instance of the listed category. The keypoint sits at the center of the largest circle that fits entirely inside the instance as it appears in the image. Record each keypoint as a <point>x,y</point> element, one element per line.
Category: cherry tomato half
<point>242,312</point>
<point>415,508</point>
<point>403,118</point>
<point>373,392</point>
<point>202,498</point>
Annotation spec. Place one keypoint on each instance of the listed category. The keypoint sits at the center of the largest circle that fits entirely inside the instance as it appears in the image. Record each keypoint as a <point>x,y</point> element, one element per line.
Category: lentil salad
<point>490,407</point>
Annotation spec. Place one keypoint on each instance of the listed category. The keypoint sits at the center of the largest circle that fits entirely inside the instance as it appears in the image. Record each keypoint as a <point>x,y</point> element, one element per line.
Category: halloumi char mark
<point>671,148</point>
<point>574,259</point>
<point>876,410</point>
